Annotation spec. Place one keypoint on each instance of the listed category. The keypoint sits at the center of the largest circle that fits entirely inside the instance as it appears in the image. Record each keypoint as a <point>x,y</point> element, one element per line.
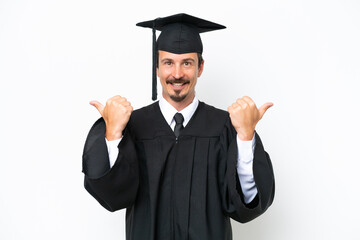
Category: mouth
<point>177,85</point>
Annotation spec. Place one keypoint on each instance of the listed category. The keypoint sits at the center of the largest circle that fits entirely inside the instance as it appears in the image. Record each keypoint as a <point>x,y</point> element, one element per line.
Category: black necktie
<point>179,119</point>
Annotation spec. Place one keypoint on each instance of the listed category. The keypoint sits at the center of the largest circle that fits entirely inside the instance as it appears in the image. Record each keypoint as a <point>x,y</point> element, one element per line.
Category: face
<point>178,74</point>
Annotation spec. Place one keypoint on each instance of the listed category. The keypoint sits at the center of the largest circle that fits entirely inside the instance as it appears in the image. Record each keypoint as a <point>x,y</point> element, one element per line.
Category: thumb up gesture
<point>245,115</point>
<point>116,114</point>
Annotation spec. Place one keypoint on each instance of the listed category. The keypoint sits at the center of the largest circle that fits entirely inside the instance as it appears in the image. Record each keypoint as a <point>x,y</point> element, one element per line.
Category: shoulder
<point>213,111</point>
<point>213,115</point>
<point>146,121</point>
<point>217,122</point>
<point>146,110</point>
<point>145,114</point>
<point>208,121</point>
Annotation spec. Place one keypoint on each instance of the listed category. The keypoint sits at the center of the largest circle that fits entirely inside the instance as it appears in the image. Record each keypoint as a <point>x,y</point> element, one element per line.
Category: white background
<point>303,55</point>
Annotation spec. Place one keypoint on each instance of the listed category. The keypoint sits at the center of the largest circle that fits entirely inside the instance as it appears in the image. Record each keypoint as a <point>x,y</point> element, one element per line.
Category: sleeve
<point>233,199</point>
<point>244,168</point>
<point>114,188</point>
<point>112,147</point>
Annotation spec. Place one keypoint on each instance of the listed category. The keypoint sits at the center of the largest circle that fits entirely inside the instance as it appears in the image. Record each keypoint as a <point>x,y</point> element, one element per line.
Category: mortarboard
<point>179,34</point>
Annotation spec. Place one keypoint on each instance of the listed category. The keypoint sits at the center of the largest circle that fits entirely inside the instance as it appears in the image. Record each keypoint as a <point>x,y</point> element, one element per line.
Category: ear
<point>201,68</point>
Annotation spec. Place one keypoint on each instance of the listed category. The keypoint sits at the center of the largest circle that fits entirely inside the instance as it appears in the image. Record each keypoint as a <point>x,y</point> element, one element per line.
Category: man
<point>179,166</point>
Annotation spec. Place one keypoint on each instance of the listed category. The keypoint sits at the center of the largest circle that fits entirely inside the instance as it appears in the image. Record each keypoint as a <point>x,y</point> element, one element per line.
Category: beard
<point>177,97</point>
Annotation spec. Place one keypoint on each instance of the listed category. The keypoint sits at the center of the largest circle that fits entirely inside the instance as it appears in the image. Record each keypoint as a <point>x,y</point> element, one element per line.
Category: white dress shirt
<point>245,148</point>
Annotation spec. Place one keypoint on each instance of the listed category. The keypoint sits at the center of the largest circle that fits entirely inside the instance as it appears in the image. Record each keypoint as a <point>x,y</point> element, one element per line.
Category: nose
<point>178,71</point>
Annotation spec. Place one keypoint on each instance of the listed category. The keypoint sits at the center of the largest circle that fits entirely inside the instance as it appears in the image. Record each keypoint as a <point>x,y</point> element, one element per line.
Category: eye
<point>187,63</point>
<point>167,63</point>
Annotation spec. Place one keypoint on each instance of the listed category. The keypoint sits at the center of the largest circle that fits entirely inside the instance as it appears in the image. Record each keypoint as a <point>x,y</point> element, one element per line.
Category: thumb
<point>265,107</point>
<point>98,106</point>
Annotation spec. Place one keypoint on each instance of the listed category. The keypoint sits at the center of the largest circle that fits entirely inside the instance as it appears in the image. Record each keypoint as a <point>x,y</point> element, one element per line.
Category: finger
<point>119,98</point>
<point>231,109</point>
<point>264,108</point>
<point>235,105</point>
<point>126,104</point>
<point>131,108</point>
<point>98,106</point>
<point>249,101</point>
<point>243,104</point>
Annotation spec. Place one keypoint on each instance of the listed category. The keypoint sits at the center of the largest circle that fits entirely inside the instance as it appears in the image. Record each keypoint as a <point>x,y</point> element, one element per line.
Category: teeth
<point>177,84</point>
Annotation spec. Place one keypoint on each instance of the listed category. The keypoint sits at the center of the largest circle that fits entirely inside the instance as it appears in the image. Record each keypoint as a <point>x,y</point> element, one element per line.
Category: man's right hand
<point>116,115</point>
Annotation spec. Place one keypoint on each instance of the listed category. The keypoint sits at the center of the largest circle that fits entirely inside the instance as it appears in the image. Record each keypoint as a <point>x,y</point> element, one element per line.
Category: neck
<point>180,105</point>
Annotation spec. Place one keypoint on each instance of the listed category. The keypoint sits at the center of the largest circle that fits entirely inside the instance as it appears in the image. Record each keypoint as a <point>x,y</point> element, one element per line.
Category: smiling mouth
<point>177,85</point>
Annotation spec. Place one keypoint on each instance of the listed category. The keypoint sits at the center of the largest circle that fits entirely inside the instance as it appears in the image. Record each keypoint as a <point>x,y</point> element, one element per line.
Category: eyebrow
<point>188,59</point>
<point>183,60</point>
<point>166,59</point>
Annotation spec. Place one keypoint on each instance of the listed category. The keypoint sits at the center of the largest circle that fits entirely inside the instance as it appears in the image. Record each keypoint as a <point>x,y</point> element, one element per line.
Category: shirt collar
<point>168,111</point>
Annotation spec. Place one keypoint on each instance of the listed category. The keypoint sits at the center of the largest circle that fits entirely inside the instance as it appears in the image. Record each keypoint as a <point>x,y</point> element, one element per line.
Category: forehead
<point>173,56</point>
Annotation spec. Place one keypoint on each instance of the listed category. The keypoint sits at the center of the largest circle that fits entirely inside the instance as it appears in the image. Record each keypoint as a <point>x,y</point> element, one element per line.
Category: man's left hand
<point>245,115</point>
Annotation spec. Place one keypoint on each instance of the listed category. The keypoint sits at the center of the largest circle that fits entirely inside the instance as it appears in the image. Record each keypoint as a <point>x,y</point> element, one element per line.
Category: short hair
<point>199,55</point>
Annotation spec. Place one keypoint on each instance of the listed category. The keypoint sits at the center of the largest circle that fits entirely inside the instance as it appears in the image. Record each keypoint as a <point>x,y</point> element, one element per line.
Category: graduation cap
<point>179,34</point>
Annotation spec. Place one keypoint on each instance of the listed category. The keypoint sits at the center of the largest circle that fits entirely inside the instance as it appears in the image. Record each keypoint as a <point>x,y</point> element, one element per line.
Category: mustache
<point>177,80</point>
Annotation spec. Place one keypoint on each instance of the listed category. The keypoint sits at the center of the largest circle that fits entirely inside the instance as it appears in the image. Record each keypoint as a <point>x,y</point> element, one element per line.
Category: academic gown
<point>185,188</point>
